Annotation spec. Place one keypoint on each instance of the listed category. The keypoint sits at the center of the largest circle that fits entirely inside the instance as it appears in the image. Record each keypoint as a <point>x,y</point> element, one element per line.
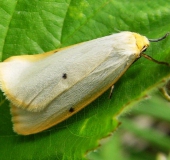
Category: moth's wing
<point>72,100</point>
<point>26,122</point>
<point>33,82</point>
<point>74,96</point>
<point>11,71</point>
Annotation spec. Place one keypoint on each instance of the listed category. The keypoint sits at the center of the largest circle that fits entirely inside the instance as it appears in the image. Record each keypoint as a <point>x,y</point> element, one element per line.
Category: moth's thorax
<point>141,41</point>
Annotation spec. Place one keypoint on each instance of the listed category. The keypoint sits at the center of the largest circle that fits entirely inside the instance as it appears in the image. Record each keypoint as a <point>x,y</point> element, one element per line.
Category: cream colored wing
<point>74,88</point>
<point>34,84</point>
<point>45,91</point>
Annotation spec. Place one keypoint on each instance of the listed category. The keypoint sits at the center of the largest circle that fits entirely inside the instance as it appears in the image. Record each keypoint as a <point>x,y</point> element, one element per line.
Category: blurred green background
<point>144,132</point>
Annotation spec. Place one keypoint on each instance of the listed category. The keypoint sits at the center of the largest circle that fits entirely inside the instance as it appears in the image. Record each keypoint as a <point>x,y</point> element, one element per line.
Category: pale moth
<point>45,89</point>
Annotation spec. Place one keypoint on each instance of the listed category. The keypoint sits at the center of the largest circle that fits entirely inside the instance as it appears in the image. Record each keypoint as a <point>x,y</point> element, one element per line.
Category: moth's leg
<point>166,90</point>
<point>111,92</point>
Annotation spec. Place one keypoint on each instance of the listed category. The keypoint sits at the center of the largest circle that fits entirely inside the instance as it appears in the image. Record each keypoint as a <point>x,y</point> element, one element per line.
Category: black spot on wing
<point>64,76</point>
<point>71,110</point>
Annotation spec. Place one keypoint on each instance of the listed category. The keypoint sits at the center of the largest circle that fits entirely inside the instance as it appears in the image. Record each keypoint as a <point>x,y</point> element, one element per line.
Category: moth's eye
<point>144,48</point>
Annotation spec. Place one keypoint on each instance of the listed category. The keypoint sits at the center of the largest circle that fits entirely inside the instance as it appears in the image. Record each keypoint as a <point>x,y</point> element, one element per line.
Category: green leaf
<point>154,105</point>
<point>31,27</point>
<point>144,133</point>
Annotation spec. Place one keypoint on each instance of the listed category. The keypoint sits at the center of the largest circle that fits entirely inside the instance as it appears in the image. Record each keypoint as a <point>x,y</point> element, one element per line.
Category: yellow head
<point>142,42</point>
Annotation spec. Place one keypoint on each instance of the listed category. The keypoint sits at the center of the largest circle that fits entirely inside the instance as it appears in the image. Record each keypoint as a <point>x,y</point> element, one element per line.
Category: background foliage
<point>32,27</point>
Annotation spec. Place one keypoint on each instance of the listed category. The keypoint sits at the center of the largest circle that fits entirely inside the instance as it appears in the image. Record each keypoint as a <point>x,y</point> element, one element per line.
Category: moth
<point>45,89</point>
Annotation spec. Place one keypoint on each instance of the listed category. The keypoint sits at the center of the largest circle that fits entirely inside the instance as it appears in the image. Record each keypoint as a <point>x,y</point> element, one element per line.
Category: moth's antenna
<point>159,39</point>
<point>154,60</point>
